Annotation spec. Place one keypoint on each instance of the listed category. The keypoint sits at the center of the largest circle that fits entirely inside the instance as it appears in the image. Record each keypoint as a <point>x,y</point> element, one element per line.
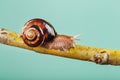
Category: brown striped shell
<point>37,32</point>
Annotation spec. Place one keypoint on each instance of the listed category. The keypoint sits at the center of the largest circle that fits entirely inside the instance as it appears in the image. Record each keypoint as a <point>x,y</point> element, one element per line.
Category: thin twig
<point>97,55</point>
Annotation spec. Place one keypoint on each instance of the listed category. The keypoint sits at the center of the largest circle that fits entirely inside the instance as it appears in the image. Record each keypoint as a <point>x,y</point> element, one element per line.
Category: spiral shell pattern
<point>37,32</point>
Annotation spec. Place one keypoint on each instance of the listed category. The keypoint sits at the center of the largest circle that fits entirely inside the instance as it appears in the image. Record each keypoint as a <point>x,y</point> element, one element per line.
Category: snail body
<point>61,42</point>
<point>38,32</point>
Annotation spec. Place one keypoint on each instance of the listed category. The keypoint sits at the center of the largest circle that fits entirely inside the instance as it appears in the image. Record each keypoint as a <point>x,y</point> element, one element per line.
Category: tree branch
<point>97,55</point>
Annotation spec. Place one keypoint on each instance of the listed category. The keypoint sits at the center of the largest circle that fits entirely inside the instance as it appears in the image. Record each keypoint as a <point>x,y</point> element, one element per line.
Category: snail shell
<point>37,32</point>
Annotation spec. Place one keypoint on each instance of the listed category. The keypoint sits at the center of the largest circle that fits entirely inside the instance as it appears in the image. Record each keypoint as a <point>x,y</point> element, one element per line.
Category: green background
<point>98,22</point>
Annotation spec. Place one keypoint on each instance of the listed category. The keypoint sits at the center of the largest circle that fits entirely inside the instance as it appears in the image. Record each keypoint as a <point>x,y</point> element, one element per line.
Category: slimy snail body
<point>38,32</point>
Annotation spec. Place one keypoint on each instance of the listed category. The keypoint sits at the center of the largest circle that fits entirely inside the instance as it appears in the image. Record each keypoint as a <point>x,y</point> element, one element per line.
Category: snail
<point>39,32</point>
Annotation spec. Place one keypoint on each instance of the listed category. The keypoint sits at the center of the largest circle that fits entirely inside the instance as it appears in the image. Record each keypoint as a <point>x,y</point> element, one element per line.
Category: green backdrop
<point>98,22</point>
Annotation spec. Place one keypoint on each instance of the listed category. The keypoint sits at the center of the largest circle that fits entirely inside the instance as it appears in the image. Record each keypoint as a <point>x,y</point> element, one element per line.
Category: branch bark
<point>97,55</point>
